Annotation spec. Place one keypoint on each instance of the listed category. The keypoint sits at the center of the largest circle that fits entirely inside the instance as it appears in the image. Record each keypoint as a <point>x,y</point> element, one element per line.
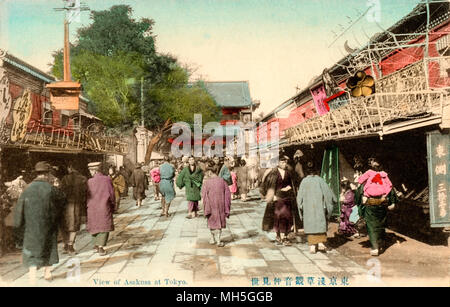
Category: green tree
<point>115,48</point>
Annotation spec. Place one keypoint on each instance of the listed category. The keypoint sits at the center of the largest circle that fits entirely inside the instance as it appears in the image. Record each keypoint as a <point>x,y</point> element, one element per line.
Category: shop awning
<point>411,124</point>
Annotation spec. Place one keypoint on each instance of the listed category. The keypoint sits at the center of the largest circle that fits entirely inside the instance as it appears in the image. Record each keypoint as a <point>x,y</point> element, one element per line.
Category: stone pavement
<point>148,250</point>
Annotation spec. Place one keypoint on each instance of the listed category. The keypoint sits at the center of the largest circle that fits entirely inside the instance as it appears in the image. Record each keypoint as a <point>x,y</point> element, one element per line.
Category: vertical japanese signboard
<point>319,95</point>
<point>438,147</point>
<point>330,173</point>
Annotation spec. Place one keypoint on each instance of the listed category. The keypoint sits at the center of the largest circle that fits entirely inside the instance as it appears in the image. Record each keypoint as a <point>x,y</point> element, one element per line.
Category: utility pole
<point>142,101</point>
<point>73,9</point>
<point>64,95</point>
<point>67,73</point>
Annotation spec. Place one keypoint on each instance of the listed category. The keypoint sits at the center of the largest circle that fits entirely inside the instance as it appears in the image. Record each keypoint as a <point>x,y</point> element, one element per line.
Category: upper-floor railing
<point>48,136</point>
<point>401,95</point>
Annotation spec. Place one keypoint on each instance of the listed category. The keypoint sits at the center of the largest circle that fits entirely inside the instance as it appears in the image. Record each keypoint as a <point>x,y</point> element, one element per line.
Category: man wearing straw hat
<point>100,207</point>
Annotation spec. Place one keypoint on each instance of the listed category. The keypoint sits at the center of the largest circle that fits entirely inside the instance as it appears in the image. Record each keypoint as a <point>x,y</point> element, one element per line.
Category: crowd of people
<point>296,197</point>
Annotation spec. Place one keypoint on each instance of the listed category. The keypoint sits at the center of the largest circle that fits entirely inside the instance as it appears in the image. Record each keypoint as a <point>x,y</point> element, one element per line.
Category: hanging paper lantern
<point>361,84</point>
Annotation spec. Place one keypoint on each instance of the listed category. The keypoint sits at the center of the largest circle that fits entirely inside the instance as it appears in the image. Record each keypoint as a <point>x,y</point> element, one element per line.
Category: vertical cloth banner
<point>319,95</point>
<point>330,173</point>
<point>438,151</point>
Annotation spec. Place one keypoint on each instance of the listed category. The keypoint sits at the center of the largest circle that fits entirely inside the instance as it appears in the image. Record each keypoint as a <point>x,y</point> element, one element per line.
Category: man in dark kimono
<point>279,197</point>
<point>100,207</point>
<point>37,212</point>
<point>74,187</point>
<point>139,182</point>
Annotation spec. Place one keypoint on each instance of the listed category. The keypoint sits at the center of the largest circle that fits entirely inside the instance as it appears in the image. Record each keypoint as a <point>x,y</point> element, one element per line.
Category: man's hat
<point>284,158</point>
<point>94,165</point>
<point>42,166</point>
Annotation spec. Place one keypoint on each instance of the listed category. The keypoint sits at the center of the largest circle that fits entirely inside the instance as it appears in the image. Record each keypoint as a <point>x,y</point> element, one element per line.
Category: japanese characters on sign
<point>312,281</point>
<point>21,116</point>
<point>319,95</point>
<point>5,96</point>
<point>438,146</point>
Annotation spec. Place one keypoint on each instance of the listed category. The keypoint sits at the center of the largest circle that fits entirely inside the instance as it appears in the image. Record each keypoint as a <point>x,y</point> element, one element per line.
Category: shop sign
<point>21,116</point>
<point>438,146</point>
<point>67,101</point>
<point>64,95</point>
<point>5,96</point>
<point>319,95</point>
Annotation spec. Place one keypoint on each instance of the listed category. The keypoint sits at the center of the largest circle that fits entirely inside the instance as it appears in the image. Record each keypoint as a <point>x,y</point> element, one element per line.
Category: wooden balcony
<point>400,96</point>
<point>70,139</point>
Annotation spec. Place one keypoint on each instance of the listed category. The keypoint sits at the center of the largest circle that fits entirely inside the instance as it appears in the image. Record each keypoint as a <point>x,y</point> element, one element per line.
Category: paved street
<point>149,250</point>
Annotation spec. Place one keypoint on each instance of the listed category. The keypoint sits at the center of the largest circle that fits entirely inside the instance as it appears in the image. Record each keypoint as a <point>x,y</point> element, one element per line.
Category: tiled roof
<point>233,94</point>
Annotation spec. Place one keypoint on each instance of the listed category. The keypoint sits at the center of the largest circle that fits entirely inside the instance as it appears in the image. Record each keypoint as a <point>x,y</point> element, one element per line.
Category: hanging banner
<point>330,173</point>
<point>21,116</point>
<point>319,95</point>
<point>438,147</point>
<point>5,96</point>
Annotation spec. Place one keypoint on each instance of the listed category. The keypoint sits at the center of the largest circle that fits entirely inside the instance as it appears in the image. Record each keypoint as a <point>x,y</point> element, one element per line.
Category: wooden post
<point>67,74</point>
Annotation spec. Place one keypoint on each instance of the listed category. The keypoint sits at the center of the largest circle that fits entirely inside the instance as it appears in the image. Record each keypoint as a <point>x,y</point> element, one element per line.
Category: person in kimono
<point>156,178</point>
<point>346,226</point>
<point>374,197</point>
<point>166,185</point>
<point>13,239</point>
<point>191,178</point>
<point>217,164</point>
<point>217,203</point>
<point>119,185</point>
<point>126,176</point>
<point>234,186</point>
<point>279,198</point>
<point>315,201</point>
<point>224,172</point>
<point>242,177</point>
<point>74,186</point>
<point>100,207</point>
<point>37,212</point>
<point>139,182</point>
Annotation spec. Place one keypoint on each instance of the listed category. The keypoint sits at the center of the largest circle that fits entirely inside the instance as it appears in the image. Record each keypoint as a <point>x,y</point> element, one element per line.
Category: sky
<point>278,46</point>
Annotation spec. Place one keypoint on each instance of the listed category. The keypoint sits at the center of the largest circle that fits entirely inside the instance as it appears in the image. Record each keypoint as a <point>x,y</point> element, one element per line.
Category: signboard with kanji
<point>438,146</point>
<point>319,95</point>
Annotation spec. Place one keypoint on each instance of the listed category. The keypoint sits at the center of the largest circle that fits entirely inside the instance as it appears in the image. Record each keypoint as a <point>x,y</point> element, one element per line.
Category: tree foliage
<point>116,48</point>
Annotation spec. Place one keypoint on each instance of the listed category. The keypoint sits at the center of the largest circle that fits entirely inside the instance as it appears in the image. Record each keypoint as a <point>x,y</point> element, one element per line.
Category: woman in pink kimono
<point>234,186</point>
<point>217,202</point>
